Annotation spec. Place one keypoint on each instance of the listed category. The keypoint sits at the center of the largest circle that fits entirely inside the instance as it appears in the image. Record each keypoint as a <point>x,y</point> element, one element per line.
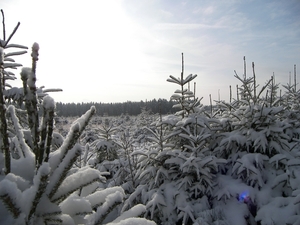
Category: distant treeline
<point>162,106</point>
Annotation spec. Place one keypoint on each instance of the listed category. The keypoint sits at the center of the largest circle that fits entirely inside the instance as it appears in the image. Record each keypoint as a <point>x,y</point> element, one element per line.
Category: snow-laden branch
<point>24,148</point>
<point>75,131</point>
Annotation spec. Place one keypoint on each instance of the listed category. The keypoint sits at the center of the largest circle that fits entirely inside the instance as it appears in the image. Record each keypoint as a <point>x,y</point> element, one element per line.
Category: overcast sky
<point>119,50</point>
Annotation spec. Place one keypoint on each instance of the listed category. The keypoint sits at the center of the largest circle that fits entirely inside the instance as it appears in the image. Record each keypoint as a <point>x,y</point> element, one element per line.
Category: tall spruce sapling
<point>105,146</point>
<point>184,97</point>
<point>6,63</point>
<point>176,173</point>
<point>125,142</point>
<point>248,90</point>
<point>272,93</point>
<point>291,96</point>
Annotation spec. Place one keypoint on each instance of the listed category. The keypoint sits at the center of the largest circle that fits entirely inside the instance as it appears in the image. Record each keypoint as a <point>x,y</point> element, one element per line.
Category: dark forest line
<point>162,106</point>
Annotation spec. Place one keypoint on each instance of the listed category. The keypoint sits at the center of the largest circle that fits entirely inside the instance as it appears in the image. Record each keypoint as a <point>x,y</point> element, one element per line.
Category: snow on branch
<point>10,196</point>
<point>98,198</point>
<point>24,148</point>
<point>61,171</point>
<point>15,53</point>
<point>135,211</point>
<point>111,202</point>
<point>37,190</point>
<point>16,46</point>
<point>76,206</point>
<point>76,181</point>
<point>134,221</point>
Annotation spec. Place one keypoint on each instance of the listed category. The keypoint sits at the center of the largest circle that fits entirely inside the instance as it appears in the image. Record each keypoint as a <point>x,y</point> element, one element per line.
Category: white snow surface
<point>235,212</point>
<point>21,183</point>
<point>74,204</point>
<point>279,210</point>
<point>23,167</point>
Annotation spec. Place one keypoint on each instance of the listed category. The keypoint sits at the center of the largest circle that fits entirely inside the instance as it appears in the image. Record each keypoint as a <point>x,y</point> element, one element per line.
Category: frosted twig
<point>12,34</point>
<point>3,25</point>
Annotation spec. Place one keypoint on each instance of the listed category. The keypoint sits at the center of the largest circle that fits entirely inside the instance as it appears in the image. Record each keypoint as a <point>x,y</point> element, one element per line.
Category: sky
<point>125,50</point>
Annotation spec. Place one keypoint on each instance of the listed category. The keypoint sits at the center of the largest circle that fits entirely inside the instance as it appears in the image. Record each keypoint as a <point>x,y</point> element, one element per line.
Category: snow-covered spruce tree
<point>176,172</point>
<point>6,64</point>
<point>262,150</point>
<point>184,97</point>
<point>103,154</point>
<point>272,93</point>
<point>12,95</point>
<point>127,162</point>
<point>42,186</point>
<point>284,184</point>
<point>153,175</point>
<point>290,103</point>
<point>111,152</point>
<point>104,146</point>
